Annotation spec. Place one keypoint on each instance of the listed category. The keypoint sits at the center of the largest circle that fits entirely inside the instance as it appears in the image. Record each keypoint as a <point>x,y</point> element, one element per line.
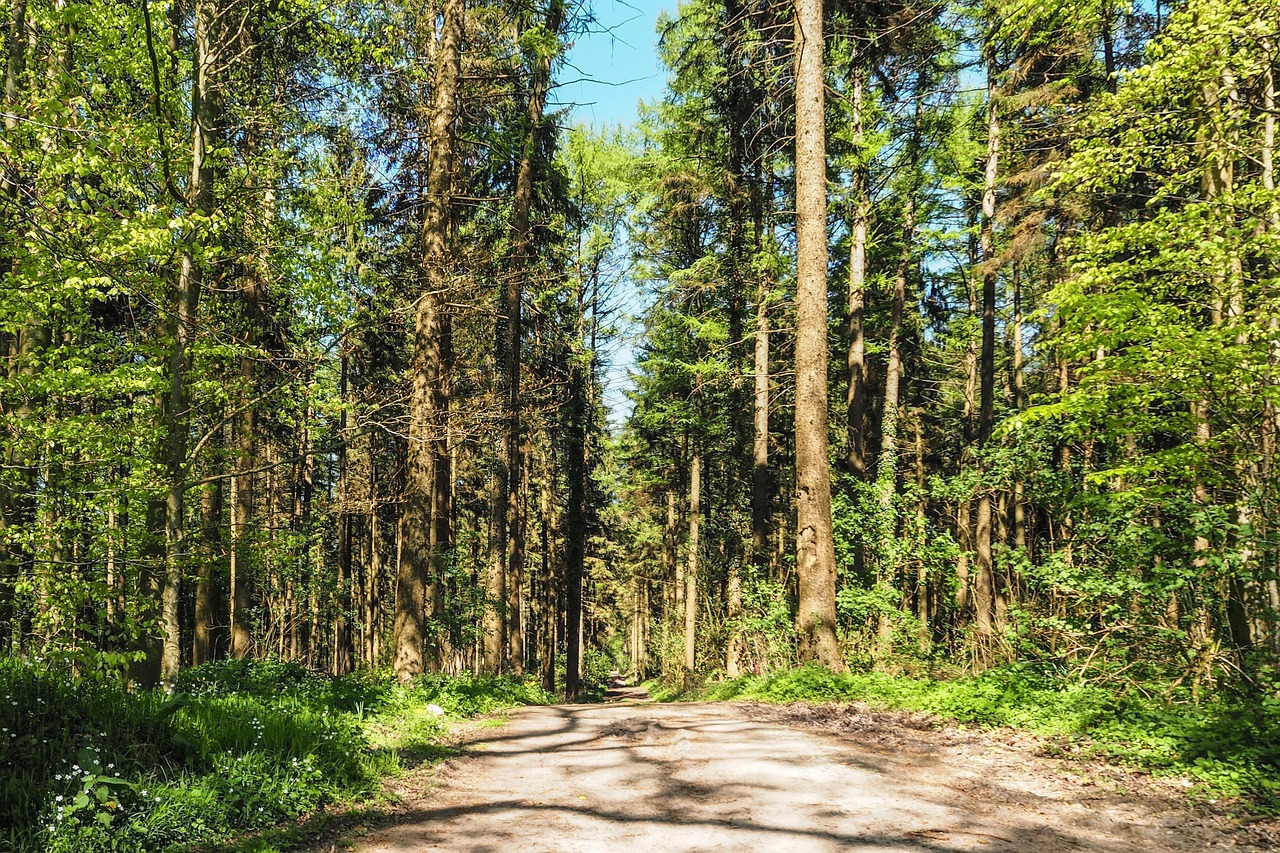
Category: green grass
<point>1231,749</point>
<point>239,747</point>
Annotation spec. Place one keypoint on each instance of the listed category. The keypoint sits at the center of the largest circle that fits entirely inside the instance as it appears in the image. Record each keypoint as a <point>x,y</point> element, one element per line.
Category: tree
<point>815,549</point>
<point>425,520</point>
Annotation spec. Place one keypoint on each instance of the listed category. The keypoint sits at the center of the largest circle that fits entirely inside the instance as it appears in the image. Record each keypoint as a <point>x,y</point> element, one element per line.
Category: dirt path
<point>744,777</point>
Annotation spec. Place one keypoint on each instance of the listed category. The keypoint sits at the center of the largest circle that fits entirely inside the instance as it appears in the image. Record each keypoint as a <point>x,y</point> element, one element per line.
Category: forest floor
<point>635,776</point>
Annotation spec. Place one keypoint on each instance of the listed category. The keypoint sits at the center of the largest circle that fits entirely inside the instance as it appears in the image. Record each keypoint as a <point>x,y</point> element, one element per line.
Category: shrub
<point>239,746</point>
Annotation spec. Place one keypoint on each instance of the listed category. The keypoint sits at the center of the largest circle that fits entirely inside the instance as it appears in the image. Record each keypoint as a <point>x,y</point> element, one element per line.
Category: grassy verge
<point>1231,749</point>
<point>238,747</point>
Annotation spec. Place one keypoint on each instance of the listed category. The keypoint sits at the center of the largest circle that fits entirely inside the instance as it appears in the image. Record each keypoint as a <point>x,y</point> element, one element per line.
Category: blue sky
<point>611,67</point>
<point>615,63</point>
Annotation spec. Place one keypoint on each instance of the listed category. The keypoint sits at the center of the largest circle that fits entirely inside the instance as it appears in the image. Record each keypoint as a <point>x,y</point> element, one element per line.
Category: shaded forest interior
<point>955,327</point>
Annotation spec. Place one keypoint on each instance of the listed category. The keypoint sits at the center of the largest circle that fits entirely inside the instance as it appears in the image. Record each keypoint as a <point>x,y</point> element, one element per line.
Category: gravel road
<point>745,777</point>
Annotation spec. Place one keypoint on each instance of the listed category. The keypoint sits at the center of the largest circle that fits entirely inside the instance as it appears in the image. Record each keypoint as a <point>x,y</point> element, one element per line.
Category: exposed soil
<point>749,777</point>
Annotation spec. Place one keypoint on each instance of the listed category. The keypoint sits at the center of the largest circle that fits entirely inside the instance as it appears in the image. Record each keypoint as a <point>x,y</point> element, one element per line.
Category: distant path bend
<point>741,777</point>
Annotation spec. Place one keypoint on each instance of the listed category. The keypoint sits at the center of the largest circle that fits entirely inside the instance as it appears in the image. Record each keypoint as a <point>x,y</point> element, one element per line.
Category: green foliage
<point>241,745</point>
<point>469,695</point>
<point>598,665</point>
<point>766,629</point>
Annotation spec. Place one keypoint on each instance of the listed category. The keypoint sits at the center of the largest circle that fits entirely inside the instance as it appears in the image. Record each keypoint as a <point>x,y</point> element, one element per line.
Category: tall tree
<point>425,513</point>
<point>182,323</point>
<point>815,548</point>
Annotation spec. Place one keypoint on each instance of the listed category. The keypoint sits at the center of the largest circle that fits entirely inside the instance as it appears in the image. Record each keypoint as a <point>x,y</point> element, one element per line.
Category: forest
<point>950,334</point>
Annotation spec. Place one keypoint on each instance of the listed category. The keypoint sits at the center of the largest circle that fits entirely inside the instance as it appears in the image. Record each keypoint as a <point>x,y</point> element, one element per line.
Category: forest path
<point>745,777</point>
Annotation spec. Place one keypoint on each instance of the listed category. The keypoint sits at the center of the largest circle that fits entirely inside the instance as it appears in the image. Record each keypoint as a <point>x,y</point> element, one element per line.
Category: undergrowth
<point>239,746</point>
<point>1229,748</point>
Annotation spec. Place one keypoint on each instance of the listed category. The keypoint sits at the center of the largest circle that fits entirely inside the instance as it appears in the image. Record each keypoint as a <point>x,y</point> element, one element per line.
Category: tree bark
<point>815,547</point>
<point>856,362</point>
<point>242,496</point>
<point>691,573</point>
<point>206,111</point>
<point>549,580</point>
<point>211,522</point>
<point>887,466</point>
<point>575,523</point>
<point>760,479</point>
<point>16,508</point>
<point>1019,507</point>
<point>1271,413</point>
<point>424,515</point>
<point>984,582</point>
<point>507,586</point>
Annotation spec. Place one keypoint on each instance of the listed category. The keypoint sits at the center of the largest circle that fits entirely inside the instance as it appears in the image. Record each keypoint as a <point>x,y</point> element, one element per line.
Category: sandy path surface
<point>745,777</point>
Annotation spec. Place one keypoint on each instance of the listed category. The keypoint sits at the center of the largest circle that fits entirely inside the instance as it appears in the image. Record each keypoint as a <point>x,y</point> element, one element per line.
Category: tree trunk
<point>1271,413</point>
<point>16,508</point>
<point>760,479</point>
<point>924,613</point>
<point>242,513</point>
<point>206,111</point>
<point>815,547</point>
<point>423,509</point>
<point>733,605</point>
<point>550,586</point>
<point>575,524</point>
<point>984,585</point>
<point>887,466</point>
<point>211,530</point>
<point>1018,523</point>
<point>691,573</point>
<point>511,473</point>
<point>855,400</point>
<point>443,449</point>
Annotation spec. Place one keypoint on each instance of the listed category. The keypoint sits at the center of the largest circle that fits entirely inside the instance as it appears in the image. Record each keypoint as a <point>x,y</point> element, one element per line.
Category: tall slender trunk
<point>691,573</point>
<point>14,503</point>
<point>984,586</point>
<point>342,630</point>
<point>373,586</point>
<point>253,319</point>
<point>1271,412</point>
<point>893,371</point>
<point>444,451</point>
<point>211,533</point>
<point>924,613</point>
<point>673,569</point>
<point>855,400</point>
<point>733,612</point>
<point>636,632</point>
<point>242,491</point>
<point>523,245</point>
<point>887,466</point>
<point>549,580</point>
<point>503,637</point>
<point>815,546</point>
<point>425,518</point>
<point>117,546</point>
<point>760,479</point>
<point>342,642</point>
<point>575,523</point>
<point>182,322</point>
<point>740,104</point>
<point>1019,506</point>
